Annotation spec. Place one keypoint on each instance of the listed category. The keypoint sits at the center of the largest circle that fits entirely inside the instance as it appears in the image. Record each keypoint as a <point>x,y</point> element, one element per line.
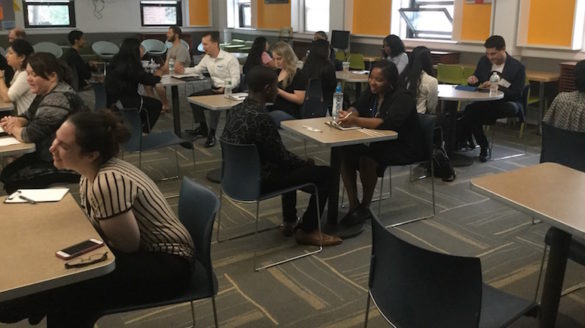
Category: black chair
<point>240,180</point>
<point>197,209</point>
<point>563,147</point>
<point>416,287</point>
<point>154,140</point>
<point>314,105</point>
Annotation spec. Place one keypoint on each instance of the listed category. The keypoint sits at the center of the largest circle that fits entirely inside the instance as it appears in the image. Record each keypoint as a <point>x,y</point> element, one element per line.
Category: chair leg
<point>214,311</point>
<point>380,197</point>
<point>367,310</point>
<point>193,322</point>
<point>540,273</point>
<point>256,232</point>
<point>219,213</point>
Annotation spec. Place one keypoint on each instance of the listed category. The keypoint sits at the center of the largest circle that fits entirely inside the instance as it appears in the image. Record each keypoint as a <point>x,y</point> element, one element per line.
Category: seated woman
<point>258,55</point>
<point>318,66</point>
<point>124,74</point>
<point>385,105</point>
<point>419,80</point>
<point>54,101</point>
<point>393,50</point>
<point>567,110</point>
<point>292,84</point>
<point>19,91</point>
<point>153,249</point>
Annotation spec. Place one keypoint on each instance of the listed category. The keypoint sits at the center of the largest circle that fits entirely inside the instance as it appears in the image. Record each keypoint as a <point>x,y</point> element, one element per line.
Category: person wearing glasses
<point>153,249</point>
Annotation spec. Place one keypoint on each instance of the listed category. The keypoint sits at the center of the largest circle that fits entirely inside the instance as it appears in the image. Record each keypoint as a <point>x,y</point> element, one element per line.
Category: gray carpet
<point>329,290</point>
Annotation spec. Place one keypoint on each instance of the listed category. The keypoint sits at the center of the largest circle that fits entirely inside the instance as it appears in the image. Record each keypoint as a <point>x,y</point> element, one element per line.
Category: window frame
<point>241,7</point>
<point>178,5</point>
<point>70,4</point>
<point>415,6</point>
<point>304,17</point>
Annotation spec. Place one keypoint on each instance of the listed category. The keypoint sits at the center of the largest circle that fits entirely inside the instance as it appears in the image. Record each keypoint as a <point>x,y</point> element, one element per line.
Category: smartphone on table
<point>79,248</point>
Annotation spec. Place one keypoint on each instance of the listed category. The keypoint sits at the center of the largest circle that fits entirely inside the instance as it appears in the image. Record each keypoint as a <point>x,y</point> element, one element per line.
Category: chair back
<point>427,123</point>
<point>356,61</point>
<point>313,106</point>
<point>525,96</point>
<point>154,47</point>
<point>49,47</point>
<point>197,209</point>
<point>467,72</point>
<point>340,55</point>
<point>563,146</point>
<point>415,287</point>
<point>132,118</point>
<point>451,74</point>
<point>240,175</point>
<point>105,49</point>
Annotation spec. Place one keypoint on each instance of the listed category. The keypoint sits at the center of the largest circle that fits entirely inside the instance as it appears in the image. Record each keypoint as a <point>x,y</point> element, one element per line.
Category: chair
<point>416,287</point>
<point>340,55</point>
<point>169,44</point>
<point>563,147</point>
<point>467,72</point>
<point>450,74</point>
<point>240,181</point>
<point>49,47</point>
<point>356,61</point>
<point>197,209</point>
<point>154,47</point>
<point>105,49</point>
<point>313,105</point>
<point>153,140</point>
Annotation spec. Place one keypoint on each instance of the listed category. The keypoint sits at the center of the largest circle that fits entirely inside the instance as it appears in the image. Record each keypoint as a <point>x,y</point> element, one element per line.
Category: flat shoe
<point>356,216</point>
<point>313,238</point>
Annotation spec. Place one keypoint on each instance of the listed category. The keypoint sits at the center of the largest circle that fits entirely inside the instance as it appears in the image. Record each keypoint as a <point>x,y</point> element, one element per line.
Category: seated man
<point>74,60</point>
<point>221,66</point>
<point>249,123</point>
<point>567,111</point>
<point>512,78</point>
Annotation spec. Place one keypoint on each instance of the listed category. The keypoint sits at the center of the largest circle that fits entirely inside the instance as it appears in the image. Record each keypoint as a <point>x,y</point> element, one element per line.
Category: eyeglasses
<point>85,261</point>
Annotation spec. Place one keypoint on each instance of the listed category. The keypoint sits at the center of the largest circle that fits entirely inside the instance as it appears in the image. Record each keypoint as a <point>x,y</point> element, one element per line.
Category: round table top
<point>448,92</point>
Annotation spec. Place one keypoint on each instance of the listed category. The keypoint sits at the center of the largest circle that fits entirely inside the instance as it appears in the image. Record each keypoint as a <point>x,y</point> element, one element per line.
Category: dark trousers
<point>149,108</point>
<point>138,278</point>
<point>478,114</point>
<point>199,112</point>
<point>319,175</point>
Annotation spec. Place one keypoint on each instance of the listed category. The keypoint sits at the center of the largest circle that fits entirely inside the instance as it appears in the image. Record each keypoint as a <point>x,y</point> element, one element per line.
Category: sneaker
<point>198,132</point>
<point>210,142</point>
<point>314,238</point>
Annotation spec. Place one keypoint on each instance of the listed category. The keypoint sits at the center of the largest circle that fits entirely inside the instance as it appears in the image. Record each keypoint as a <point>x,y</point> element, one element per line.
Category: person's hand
<point>472,79</point>
<point>218,90</point>
<point>346,118</point>
<point>9,123</point>
<point>485,85</point>
<point>179,68</point>
<point>158,73</point>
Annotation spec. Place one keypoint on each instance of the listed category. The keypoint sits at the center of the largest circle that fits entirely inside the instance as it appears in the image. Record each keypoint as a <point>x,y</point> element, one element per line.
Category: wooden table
<point>6,106</point>
<point>542,78</point>
<point>554,194</point>
<point>448,92</point>
<point>29,237</point>
<point>17,149</point>
<point>316,130</point>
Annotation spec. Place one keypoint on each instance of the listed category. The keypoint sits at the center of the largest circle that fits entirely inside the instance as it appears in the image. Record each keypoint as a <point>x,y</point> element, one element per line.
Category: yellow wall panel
<point>199,13</point>
<point>273,16</point>
<point>476,21</point>
<point>371,17</point>
<point>551,22</point>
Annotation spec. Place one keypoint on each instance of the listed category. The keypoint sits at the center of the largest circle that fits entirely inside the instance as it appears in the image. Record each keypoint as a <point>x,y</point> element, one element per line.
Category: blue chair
<point>154,140</point>
<point>416,287</point>
<point>197,209</point>
<point>49,47</point>
<point>240,181</point>
<point>105,49</point>
<point>154,47</point>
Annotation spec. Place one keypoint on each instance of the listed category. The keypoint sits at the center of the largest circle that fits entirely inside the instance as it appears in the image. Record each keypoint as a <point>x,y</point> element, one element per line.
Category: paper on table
<point>37,195</point>
<point>239,96</point>
<point>337,126</point>
<point>7,141</point>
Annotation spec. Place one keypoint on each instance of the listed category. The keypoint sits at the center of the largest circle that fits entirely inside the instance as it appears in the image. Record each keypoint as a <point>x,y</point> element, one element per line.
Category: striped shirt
<point>119,187</point>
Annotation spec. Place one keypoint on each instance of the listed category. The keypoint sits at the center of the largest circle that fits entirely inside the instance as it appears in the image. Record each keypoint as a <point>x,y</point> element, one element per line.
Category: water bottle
<point>172,66</point>
<point>494,81</point>
<point>227,88</point>
<point>337,102</point>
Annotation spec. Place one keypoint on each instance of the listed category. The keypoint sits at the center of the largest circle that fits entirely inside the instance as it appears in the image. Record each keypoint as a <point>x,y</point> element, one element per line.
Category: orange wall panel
<point>273,16</point>
<point>476,21</point>
<point>371,17</point>
<point>199,13</point>
<point>551,22</point>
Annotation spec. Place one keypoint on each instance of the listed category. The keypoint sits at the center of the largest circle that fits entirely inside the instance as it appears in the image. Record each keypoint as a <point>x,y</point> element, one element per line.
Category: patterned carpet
<point>329,290</point>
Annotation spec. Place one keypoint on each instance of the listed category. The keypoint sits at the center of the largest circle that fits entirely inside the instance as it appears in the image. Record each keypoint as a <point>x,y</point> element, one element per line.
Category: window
<point>428,19</point>
<point>49,13</point>
<point>244,13</point>
<point>316,15</point>
<point>161,13</point>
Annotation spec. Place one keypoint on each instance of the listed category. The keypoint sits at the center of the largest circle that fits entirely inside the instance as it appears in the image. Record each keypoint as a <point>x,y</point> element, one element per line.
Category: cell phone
<point>79,248</point>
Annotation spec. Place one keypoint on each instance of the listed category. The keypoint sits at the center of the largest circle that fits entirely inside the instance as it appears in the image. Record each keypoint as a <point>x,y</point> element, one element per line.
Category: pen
<point>28,200</point>
<point>346,116</point>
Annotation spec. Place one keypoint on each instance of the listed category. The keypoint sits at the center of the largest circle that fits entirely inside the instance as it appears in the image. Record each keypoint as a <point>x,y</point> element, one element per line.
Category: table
<point>29,237</point>
<point>6,106</point>
<point>216,103</point>
<point>315,130</point>
<point>167,80</point>
<point>536,190</point>
<point>17,149</point>
<point>352,77</point>
<point>448,92</point>
<point>542,78</point>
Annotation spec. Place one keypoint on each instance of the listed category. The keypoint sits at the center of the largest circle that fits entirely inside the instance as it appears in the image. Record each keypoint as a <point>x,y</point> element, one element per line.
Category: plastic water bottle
<point>172,66</point>
<point>227,88</point>
<point>337,102</point>
<point>494,81</point>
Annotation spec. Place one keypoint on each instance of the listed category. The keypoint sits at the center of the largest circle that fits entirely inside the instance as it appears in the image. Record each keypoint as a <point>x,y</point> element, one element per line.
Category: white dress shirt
<point>220,68</point>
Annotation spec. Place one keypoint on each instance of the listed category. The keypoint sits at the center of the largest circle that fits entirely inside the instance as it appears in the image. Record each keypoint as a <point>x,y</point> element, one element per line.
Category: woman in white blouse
<point>419,80</point>
<point>19,91</point>
<point>394,51</point>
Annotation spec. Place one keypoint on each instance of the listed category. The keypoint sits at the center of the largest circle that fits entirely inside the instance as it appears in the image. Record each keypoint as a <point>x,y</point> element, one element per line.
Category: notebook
<point>36,195</point>
<point>337,126</point>
<point>188,77</point>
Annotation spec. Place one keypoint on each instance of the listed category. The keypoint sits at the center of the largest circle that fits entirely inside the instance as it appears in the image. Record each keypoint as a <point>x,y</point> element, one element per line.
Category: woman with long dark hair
<point>258,55</point>
<point>420,81</point>
<point>385,105</point>
<point>125,73</point>
<point>318,66</point>
<point>393,50</point>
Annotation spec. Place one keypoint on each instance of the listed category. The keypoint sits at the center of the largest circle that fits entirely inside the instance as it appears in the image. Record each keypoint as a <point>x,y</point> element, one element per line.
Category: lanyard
<point>374,107</point>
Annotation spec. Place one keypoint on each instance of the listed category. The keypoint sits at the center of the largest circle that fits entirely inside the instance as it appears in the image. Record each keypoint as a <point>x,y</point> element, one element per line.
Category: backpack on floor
<point>442,166</point>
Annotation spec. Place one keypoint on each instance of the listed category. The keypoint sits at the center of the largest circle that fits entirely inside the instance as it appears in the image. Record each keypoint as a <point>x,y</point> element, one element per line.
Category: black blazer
<point>514,72</point>
<point>122,81</point>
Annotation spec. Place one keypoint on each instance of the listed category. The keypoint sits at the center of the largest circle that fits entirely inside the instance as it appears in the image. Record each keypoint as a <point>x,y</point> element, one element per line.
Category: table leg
<point>553,280</point>
<point>176,110</point>
<point>540,106</point>
<point>456,160</point>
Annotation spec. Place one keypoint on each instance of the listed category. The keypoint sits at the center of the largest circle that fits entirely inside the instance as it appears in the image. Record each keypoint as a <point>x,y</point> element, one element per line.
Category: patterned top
<point>120,187</point>
<point>567,111</point>
<point>249,123</point>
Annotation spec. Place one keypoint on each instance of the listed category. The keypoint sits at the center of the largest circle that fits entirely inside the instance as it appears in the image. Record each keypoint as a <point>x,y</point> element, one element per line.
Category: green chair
<point>467,72</point>
<point>356,61</point>
<point>340,55</point>
<point>238,41</point>
<point>450,74</point>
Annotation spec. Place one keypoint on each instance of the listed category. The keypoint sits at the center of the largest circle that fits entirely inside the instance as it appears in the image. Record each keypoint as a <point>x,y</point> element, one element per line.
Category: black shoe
<point>187,145</point>
<point>356,216</point>
<point>198,132</point>
<point>210,142</point>
<point>483,155</point>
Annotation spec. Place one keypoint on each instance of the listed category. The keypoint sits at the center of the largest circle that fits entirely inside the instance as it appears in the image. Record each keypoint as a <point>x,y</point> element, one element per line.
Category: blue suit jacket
<point>514,72</point>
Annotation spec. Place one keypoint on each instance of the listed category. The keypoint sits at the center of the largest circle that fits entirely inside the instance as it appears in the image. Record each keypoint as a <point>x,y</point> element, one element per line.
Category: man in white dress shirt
<point>221,66</point>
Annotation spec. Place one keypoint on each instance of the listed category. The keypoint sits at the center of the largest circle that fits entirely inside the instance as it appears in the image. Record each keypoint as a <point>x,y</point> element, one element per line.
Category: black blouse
<point>299,82</point>
<point>122,81</point>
